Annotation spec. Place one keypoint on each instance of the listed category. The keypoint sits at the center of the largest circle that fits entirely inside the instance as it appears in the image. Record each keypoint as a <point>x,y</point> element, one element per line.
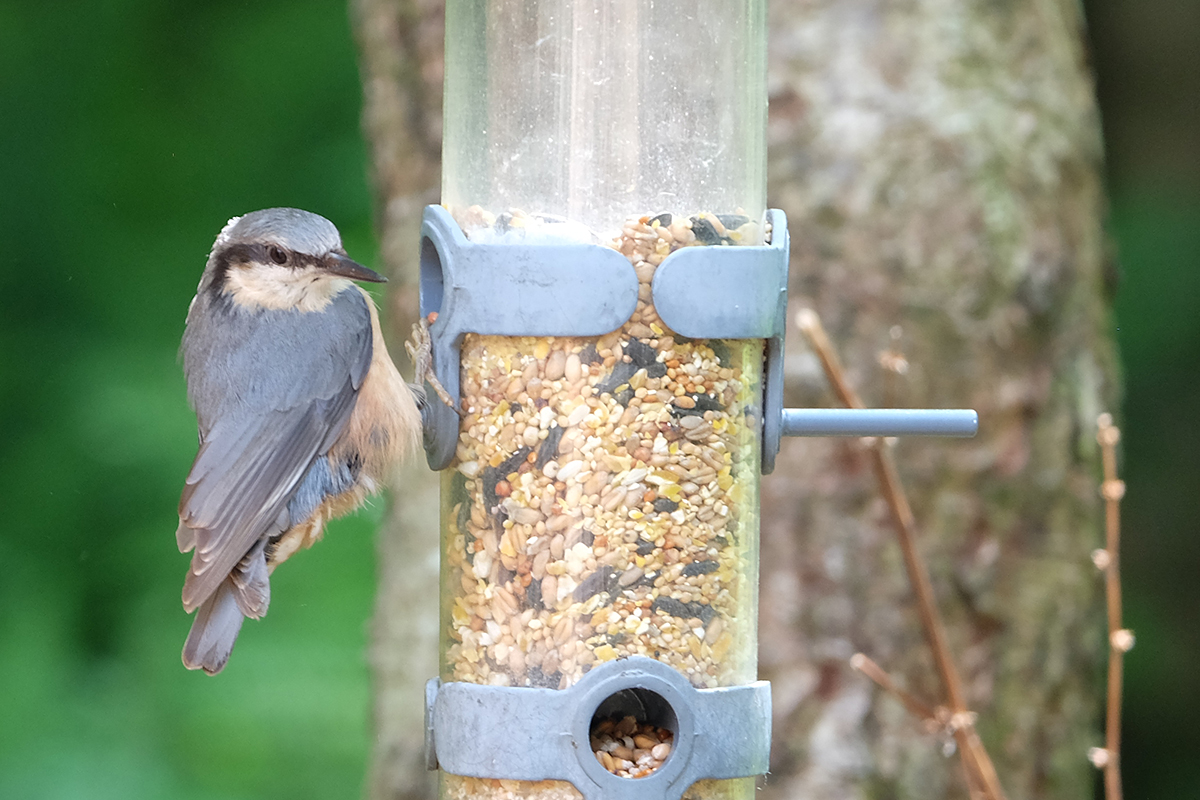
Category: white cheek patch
<point>280,288</point>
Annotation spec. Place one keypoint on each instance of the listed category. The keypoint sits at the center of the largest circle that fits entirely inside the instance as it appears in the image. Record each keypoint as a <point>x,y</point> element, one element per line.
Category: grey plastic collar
<point>509,290</point>
<point>591,290</point>
<point>543,734</point>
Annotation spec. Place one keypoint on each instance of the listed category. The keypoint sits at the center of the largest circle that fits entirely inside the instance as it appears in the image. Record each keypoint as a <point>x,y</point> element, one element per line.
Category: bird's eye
<point>277,255</point>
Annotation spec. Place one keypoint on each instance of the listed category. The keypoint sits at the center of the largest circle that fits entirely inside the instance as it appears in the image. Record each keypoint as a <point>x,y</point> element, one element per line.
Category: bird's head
<point>281,258</point>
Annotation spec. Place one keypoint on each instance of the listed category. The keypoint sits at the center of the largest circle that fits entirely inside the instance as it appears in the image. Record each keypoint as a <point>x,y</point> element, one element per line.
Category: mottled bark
<point>400,45</point>
<point>939,164</point>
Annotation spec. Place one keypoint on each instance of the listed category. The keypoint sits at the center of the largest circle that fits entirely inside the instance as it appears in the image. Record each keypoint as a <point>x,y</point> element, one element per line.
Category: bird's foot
<point>420,350</point>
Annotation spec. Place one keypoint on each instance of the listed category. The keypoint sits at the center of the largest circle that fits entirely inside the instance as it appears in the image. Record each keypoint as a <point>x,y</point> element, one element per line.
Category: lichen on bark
<point>939,164</point>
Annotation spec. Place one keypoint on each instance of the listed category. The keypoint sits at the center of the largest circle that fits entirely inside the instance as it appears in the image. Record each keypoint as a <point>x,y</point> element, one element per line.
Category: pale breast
<point>385,426</point>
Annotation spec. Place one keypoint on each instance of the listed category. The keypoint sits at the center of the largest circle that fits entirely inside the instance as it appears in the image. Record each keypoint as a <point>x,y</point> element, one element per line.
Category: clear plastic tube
<point>594,112</point>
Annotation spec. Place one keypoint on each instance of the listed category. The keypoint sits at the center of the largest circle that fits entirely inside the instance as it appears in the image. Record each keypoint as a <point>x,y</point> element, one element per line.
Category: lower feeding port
<point>632,732</point>
<point>602,504</point>
<point>634,715</point>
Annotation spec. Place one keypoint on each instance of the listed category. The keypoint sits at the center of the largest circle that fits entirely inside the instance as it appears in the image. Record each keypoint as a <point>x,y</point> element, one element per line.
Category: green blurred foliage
<point>130,131</point>
<point>1148,81</point>
<point>1158,330</point>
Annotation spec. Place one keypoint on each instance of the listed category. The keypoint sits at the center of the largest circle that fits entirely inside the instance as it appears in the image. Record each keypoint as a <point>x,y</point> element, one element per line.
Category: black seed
<point>705,232</point>
<point>699,568</point>
<point>665,505</point>
<point>733,221</point>
<point>644,548</point>
<point>622,372</point>
<point>624,396</point>
<point>662,219</point>
<point>548,448</point>
<point>603,579</point>
<point>587,537</point>
<point>533,595</point>
<point>720,351</point>
<point>642,354</point>
<point>669,605</point>
<point>510,464</point>
<point>703,402</point>
<point>678,608</point>
<point>493,475</point>
<point>588,355</point>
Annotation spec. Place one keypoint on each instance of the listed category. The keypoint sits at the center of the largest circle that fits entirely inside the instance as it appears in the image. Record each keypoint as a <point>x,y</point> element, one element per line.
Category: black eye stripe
<point>254,253</point>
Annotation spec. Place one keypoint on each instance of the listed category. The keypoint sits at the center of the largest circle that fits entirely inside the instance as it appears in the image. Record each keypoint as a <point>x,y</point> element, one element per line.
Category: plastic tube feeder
<point>610,295</point>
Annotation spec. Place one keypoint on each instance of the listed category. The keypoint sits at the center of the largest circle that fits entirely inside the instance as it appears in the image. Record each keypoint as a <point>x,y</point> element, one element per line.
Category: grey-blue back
<point>272,391</point>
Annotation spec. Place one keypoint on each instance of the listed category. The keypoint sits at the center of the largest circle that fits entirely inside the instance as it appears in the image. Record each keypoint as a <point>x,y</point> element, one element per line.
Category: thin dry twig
<point>935,720</point>
<point>1120,640</point>
<point>976,761</point>
<point>916,706</point>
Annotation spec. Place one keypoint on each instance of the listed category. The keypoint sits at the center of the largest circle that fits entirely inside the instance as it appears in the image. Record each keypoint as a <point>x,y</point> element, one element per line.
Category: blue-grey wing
<point>272,390</point>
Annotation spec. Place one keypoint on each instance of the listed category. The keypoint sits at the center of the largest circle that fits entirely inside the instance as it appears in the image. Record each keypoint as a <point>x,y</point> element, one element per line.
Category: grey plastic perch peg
<point>879,422</point>
<point>527,734</point>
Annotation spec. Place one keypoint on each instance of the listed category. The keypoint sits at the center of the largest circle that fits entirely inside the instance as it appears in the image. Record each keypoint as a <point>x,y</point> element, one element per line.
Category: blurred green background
<point>130,130</point>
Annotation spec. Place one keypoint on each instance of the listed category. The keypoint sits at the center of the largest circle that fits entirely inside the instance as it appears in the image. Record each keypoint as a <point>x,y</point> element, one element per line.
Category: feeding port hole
<point>632,732</point>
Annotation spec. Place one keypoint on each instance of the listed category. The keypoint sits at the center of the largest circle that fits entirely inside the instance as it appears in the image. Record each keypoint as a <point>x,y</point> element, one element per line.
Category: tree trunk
<point>939,165</point>
<point>400,45</point>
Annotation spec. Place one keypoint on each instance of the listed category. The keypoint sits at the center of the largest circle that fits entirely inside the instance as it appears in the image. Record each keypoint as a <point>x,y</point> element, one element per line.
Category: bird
<point>301,413</point>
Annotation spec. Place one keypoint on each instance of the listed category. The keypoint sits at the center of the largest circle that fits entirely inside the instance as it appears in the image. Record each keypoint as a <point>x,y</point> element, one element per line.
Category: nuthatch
<point>301,413</point>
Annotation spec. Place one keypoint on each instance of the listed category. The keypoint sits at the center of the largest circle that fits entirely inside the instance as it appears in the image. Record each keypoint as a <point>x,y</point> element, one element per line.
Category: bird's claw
<point>420,350</point>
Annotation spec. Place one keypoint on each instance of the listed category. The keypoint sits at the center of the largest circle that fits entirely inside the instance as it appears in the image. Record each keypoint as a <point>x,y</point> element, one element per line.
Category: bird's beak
<point>337,264</point>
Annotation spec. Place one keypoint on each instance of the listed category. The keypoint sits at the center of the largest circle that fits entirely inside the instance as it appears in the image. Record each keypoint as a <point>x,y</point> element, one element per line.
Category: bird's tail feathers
<point>214,630</point>
<point>251,582</point>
